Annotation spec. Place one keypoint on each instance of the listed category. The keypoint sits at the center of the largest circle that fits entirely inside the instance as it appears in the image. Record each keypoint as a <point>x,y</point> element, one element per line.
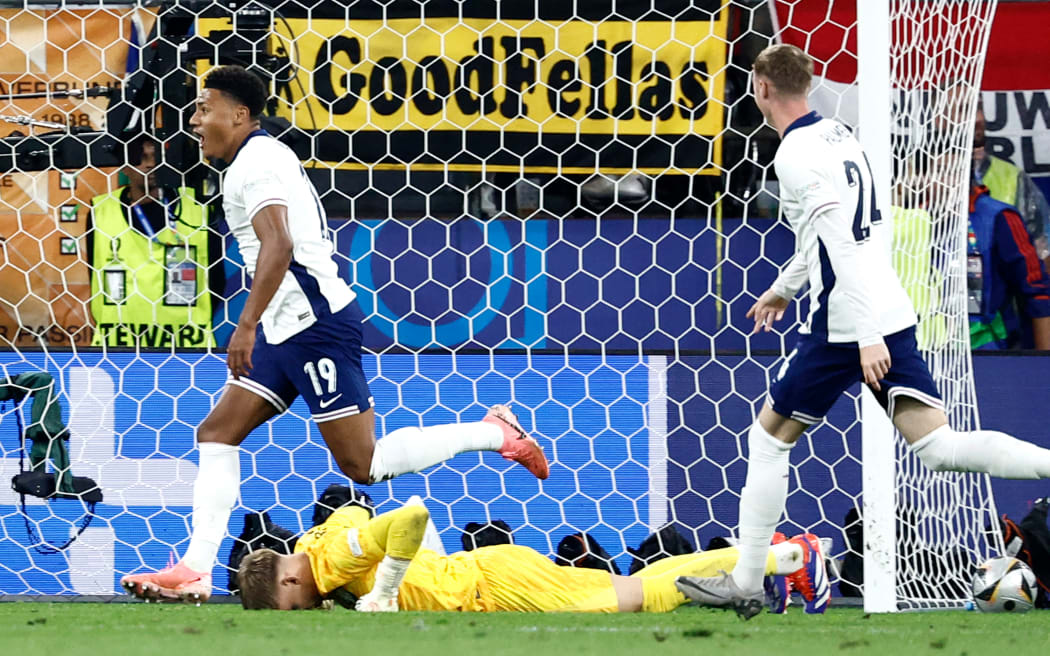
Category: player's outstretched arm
<point>771,306</point>
<point>792,276</point>
<point>275,256</point>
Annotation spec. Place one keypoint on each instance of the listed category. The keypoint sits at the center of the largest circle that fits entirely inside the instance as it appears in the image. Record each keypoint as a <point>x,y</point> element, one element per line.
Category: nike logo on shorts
<point>325,404</point>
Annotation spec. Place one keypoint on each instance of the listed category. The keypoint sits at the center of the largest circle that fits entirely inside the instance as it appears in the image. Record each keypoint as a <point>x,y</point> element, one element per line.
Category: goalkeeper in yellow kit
<point>379,561</point>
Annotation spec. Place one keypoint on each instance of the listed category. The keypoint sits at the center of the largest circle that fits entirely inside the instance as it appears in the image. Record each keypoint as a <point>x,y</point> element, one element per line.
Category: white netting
<point>563,205</point>
<point>938,58</point>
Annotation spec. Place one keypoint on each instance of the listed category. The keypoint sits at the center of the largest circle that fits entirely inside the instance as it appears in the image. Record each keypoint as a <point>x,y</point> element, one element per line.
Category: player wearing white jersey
<point>861,327</point>
<point>265,173</point>
<point>828,199</point>
<point>299,334</point>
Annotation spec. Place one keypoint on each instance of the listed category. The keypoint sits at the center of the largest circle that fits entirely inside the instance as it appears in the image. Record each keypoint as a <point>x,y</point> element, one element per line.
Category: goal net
<point>564,206</point>
<point>937,58</point>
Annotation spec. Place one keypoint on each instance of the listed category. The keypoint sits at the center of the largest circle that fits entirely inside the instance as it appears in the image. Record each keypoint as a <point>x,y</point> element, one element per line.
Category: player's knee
<point>210,431</point>
<point>356,469</point>
<point>417,515</point>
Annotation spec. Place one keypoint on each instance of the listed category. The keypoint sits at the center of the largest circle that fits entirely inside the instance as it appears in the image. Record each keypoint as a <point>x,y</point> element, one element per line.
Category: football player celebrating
<point>861,327</point>
<point>299,334</point>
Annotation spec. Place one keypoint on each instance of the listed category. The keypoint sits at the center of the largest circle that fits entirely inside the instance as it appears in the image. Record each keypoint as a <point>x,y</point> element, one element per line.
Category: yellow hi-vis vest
<point>150,293</point>
<point>1001,180</point>
<point>913,262</point>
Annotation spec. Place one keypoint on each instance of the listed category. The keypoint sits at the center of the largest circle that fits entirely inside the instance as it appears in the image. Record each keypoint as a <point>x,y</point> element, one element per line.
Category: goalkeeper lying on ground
<point>380,562</point>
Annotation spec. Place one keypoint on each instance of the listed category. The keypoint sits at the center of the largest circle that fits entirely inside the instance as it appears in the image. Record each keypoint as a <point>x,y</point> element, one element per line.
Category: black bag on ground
<point>1029,542</point>
<point>665,542</point>
<point>717,543</point>
<point>259,533</point>
<point>335,496</point>
<point>477,535</point>
<point>582,550</point>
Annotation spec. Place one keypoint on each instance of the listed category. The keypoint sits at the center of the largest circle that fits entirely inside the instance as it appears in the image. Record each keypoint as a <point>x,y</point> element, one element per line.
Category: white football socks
<point>214,495</point>
<point>412,449</point>
<point>761,505</point>
<point>990,452</point>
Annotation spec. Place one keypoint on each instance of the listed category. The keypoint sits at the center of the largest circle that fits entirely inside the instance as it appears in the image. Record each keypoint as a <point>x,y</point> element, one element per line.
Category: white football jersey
<point>827,196</point>
<point>266,172</point>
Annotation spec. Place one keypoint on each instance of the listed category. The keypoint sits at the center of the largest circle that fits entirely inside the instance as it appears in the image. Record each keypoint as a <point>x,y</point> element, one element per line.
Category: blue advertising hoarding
<point>132,420</point>
<point>634,442</point>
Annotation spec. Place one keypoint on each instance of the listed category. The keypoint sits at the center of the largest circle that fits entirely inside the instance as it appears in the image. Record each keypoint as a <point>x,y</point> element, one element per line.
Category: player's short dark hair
<point>257,576</point>
<point>787,67</point>
<point>240,85</point>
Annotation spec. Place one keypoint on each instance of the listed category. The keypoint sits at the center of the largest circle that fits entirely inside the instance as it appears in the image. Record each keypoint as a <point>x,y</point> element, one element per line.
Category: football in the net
<point>1004,585</point>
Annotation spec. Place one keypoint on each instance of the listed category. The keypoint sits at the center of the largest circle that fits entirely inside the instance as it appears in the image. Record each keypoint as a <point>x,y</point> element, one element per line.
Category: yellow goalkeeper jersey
<point>343,553</point>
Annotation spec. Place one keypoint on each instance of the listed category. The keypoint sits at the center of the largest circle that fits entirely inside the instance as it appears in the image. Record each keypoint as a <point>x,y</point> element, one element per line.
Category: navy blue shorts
<point>817,373</point>
<point>322,364</point>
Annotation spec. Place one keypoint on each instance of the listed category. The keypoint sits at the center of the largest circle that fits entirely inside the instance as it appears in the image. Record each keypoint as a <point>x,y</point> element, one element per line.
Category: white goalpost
<point>874,118</point>
<point>941,511</point>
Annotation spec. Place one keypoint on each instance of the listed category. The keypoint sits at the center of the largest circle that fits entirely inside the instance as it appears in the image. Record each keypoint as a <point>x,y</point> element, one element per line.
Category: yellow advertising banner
<point>470,93</point>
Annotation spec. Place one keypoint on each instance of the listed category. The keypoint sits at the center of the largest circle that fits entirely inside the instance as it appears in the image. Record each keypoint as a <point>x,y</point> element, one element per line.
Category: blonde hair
<point>257,577</point>
<point>787,67</point>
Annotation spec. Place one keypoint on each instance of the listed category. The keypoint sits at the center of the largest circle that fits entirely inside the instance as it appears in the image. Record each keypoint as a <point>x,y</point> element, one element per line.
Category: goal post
<point>877,433</point>
<point>888,78</point>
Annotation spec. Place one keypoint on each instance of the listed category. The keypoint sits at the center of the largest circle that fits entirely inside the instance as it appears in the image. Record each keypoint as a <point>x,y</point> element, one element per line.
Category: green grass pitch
<point>86,628</point>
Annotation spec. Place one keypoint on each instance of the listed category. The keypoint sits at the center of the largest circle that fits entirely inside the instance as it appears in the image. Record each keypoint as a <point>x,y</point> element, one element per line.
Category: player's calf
<point>353,444</point>
<point>989,452</point>
<point>356,469</point>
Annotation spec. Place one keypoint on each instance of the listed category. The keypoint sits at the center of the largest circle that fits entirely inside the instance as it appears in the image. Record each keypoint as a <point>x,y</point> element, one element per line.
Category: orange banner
<point>44,282</point>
